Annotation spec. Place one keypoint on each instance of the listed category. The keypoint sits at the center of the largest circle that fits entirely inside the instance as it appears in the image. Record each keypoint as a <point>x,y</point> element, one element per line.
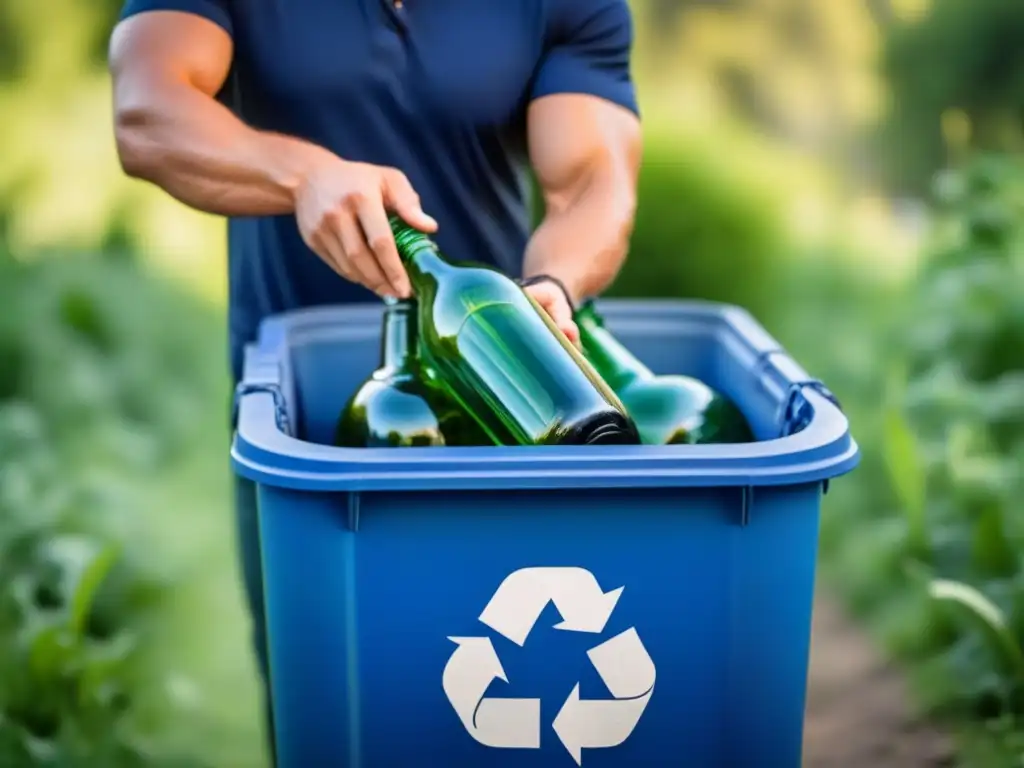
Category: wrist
<point>571,297</point>
<point>553,251</point>
<point>292,161</point>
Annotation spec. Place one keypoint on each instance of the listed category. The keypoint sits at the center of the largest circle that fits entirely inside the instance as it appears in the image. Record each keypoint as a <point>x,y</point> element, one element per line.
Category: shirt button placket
<point>396,12</point>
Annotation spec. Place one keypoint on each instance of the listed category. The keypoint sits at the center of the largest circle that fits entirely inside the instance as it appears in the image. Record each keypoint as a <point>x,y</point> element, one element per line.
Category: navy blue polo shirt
<point>436,88</point>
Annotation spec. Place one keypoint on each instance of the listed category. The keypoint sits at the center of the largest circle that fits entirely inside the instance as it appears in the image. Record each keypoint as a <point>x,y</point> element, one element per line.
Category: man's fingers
<point>360,260</point>
<point>327,246</point>
<point>572,332</point>
<point>325,243</point>
<point>552,301</point>
<point>375,225</point>
<point>402,198</point>
<point>565,324</point>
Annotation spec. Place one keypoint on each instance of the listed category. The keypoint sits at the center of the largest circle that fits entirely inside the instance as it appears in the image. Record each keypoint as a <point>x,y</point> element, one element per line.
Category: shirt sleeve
<point>588,51</point>
<point>217,11</point>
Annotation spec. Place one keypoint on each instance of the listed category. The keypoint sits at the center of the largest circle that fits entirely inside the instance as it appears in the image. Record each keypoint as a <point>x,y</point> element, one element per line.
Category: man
<point>307,121</point>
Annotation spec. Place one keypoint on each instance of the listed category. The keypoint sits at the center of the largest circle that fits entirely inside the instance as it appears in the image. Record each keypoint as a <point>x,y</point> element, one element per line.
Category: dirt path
<point>858,714</point>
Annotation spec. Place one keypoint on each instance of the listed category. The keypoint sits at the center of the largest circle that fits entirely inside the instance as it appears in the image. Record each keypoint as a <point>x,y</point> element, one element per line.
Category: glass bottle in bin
<point>666,409</point>
<point>396,407</point>
<point>499,355</point>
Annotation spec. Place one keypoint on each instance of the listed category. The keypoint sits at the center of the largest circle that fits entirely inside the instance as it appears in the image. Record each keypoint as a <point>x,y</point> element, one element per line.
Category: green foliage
<point>988,619</point>
<point>96,385</point>
<point>967,398</point>
<point>965,56</point>
<point>927,541</point>
<point>703,230</point>
<point>907,477</point>
<point>12,53</point>
<point>107,13</point>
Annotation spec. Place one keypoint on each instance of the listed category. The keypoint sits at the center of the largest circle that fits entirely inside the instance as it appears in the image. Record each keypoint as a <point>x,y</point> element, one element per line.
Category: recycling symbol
<point>622,663</point>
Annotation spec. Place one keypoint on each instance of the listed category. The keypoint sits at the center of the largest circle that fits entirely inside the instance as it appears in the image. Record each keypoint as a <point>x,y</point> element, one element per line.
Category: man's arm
<point>167,67</point>
<point>586,152</point>
<point>584,139</point>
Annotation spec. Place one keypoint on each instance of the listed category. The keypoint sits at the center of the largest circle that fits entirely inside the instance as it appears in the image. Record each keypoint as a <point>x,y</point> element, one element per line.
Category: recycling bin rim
<point>263,449</point>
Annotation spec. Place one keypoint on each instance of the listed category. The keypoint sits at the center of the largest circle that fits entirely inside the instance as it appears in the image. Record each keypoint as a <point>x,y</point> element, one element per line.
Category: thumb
<point>402,198</point>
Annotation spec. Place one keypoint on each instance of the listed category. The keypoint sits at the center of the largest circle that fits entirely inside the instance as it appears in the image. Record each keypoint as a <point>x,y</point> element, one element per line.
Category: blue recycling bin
<point>551,606</point>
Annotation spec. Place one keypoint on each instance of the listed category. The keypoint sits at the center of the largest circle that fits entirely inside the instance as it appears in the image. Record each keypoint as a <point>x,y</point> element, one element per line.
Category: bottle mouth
<point>391,304</point>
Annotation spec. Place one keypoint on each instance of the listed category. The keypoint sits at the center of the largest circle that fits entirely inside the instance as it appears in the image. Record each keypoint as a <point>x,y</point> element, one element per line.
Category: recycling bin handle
<point>794,411</point>
<point>262,377</point>
<point>795,414</point>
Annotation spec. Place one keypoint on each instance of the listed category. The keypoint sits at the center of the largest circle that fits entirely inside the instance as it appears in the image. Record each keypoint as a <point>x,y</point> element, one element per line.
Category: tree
<point>956,80</point>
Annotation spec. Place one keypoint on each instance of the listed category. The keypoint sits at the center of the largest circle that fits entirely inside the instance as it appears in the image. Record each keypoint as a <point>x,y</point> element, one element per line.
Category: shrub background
<point>795,163</point>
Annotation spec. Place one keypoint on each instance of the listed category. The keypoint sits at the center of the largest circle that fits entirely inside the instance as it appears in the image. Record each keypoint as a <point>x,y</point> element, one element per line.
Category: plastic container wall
<point>374,559</point>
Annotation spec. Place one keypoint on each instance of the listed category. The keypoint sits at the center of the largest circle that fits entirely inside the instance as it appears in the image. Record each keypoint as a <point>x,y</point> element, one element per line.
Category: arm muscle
<point>167,68</point>
<point>586,154</point>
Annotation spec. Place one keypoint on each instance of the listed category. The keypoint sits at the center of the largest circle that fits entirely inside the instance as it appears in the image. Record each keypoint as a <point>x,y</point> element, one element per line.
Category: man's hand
<point>552,299</point>
<point>342,211</point>
<point>167,67</point>
<point>586,153</point>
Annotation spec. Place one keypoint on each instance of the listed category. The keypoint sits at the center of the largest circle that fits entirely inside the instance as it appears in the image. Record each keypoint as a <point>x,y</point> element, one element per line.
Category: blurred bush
<point>704,229</point>
<point>95,386</point>
<point>926,541</point>
<point>965,403</point>
<point>955,82</point>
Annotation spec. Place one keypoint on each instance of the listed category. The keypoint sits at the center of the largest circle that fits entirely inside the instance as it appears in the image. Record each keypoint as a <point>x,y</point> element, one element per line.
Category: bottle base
<point>603,430</point>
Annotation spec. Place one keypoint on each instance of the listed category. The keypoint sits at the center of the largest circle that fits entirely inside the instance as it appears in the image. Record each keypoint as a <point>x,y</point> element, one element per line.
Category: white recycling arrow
<point>523,595</point>
<point>510,723</point>
<point>622,662</point>
<point>627,670</point>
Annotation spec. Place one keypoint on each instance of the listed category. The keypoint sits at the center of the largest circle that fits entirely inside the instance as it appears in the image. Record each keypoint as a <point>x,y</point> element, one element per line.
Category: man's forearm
<point>583,241</point>
<point>200,153</point>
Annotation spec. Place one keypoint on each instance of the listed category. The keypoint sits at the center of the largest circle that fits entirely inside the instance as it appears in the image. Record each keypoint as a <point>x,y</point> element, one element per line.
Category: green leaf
<point>81,563</point>
<point>83,313</point>
<point>89,580</point>
<point>907,475</point>
<point>987,617</point>
<point>102,663</point>
<point>991,551</point>
<point>51,650</point>
<point>42,751</point>
<point>918,575</point>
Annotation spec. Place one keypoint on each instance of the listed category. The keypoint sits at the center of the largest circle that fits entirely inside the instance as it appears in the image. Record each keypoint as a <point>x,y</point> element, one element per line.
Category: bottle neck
<point>398,342</point>
<point>616,364</point>
<point>423,262</point>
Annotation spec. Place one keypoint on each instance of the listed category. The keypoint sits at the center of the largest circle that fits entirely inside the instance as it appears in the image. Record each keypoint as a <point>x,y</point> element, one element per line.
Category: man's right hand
<point>167,68</point>
<point>342,211</point>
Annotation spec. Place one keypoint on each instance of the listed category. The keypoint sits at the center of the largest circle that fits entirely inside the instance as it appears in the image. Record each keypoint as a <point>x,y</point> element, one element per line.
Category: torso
<point>436,88</point>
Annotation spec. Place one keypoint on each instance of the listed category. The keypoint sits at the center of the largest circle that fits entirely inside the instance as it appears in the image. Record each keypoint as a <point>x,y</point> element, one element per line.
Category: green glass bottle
<point>666,409</point>
<point>396,407</point>
<point>499,355</point>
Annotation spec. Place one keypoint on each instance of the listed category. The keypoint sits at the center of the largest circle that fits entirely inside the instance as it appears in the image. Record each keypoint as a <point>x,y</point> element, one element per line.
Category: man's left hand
<point>553,300</point>
<point>585,152</point>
